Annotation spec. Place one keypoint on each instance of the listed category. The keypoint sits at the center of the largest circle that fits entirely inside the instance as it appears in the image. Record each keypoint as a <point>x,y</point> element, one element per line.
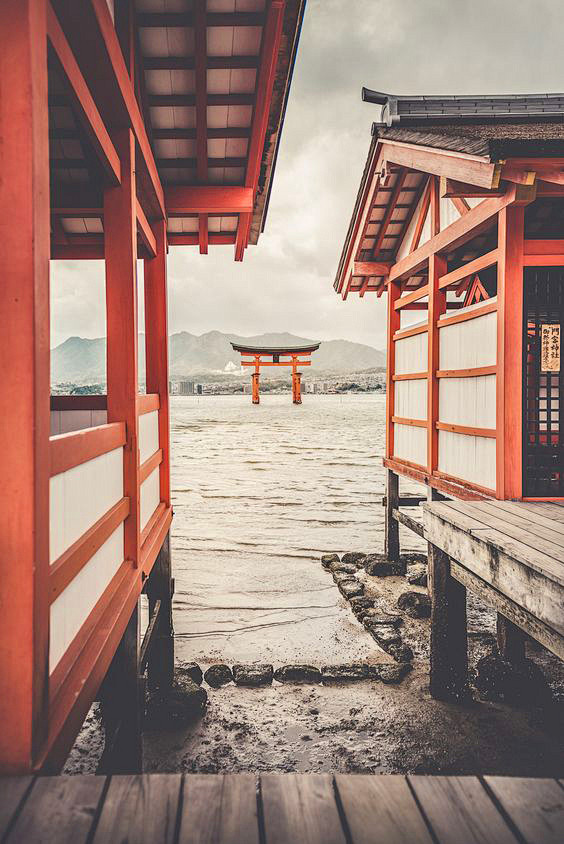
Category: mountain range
<point>80,360</point>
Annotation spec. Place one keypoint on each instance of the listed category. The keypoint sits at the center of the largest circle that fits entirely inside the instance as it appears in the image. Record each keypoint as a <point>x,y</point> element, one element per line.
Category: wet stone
<point>413,558</point>
<point>375,617</point>
<point>385,636</point>
<point>218,675</point>
<point>415,604</point>
<point>351,588</point>
<point>190,671</point>
<point>377,565</point>
<point>179,705</point>
<point>343,673</point>
<point>343,568</point>
<point>327,559</point>
<point>417,575</point>
<point>354,557</point>
<point>390,673</point>
<point>259,674</point>
<point>401,653</point>
<point>298,674</point>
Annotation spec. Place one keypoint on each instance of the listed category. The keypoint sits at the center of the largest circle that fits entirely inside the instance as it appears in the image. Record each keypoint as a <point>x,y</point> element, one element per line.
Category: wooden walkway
<point>281,809</point>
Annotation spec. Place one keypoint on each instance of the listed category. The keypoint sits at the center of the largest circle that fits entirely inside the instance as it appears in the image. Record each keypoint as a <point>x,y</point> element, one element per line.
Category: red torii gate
<point>292,352</point>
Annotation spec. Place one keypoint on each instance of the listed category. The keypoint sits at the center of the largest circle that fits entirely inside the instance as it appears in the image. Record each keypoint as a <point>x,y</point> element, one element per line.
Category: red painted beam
<point>145,231</point>
<point>201,100</point>
<point>208,199</point>
<point>83,103</point>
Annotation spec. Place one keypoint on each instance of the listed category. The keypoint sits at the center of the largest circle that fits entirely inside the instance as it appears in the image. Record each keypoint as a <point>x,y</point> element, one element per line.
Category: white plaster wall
<point>410,398</point>
<point>65,421</point>
<point>410,443</point>
<point>468,401</point>
<point>411,354</point>
<point>148,435</point>
<point>81,496</point>
<point>150,496</point>
<point>468,458</point>
<point>468,344</point>
<point>73,606</point>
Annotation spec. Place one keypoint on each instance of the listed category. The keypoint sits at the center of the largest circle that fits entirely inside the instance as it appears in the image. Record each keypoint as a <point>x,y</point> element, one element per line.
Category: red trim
<point>556,260</point>
<point>73,560</point>
<point>543,247</point>
<point>417,423</point>
<point>410,376</point>
<point>412,297</point>
<point>194,239</point>
<point>371,268</point>
<point>444,483</point>
<point>208,199</point>
<point>148,403</point>
<point>393,324</point>
<point>145,231</point>
<point>84,105</point>
<point>154,538</point>
<point>93,402</point>
<point>482,490</point>
<point>69,450</point>
<point>149,466</point>
<point>471,267</point>
<point>466,430</point>
<point>410,332</point>
<point>488,308</point>
<point>474,372</point>
<point>437,307</point>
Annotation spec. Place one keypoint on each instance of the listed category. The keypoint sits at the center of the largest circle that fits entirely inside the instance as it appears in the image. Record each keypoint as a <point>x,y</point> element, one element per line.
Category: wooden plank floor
<point>281,809</point>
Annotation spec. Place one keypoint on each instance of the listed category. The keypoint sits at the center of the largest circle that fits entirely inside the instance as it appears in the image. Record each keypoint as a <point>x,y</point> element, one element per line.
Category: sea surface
<point>259,494</point>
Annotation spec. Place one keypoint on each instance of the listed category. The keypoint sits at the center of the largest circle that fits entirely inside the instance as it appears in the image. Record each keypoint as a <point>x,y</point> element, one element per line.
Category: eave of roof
<point>275,350</point>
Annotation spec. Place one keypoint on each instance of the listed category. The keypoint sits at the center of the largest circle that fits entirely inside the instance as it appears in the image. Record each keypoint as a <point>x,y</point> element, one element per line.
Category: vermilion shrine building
<point>459,219</point>
<point>126,127</point>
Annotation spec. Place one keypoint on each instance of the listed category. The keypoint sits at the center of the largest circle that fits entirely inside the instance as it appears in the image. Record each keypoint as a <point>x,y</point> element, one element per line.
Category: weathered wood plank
<point>381,810</point>
<point>408,522</point>
<point>543,634</point>
<point>536,806</point>
<point>529,527</point>
<point>140,810</point>
<point>493,558</point>
<point>541,512</point>
<point>460,811</point>
<point>58,810</point>
<point>13,791</point>
<point>219,808</point>
<point>300,808</point>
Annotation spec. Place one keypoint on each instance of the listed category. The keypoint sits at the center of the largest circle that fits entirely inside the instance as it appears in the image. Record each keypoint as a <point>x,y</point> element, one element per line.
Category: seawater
<point>259,493</point>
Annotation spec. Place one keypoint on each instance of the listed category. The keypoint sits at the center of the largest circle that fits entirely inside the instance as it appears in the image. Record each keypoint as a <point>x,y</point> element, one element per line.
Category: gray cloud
<point>398,46</point>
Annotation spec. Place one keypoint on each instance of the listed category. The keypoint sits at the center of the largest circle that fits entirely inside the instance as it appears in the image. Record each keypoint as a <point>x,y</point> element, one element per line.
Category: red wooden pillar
<point>120,248</point>
<point>437,307</point>
<point>509,402</point>
<point>24,398</point>
<point>394,322</point>
<point>156,346</point>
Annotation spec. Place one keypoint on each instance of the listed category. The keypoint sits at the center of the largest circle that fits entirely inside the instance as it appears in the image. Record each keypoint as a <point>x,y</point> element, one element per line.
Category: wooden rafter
<point>186,19</point>
<point>467,168</point>
<point>422,216</point>
<point>189,62</point>
<point>200,55</point>
<point>82,101</point>
<point>400,179</point>
<point>208,199</point>
<point>191,99</point>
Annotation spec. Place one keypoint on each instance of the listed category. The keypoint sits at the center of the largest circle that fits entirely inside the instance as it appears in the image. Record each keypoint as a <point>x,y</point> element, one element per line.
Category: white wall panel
<point>448,212</point>
<point>410,443</point>
<point>411,354</point>
<point>465,345</point>
<point>468,458</point>
<point>65,421</point>
<point>148,435</point>
<point>150,496</point>
<point>81,496</point>
<point>72,607</point>
<point>468,401</point>
<point>410,400</point>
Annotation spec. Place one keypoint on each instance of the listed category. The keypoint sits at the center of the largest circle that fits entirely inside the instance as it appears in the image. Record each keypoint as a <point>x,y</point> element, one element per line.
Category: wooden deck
<point>509,553</point>
<point>281,808</point>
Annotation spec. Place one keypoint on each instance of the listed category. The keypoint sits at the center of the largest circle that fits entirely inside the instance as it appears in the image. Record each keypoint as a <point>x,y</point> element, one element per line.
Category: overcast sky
<point>286,282</point>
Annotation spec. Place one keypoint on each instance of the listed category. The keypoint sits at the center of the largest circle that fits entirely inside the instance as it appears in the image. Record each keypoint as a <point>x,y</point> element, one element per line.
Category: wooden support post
<point>159,587</point>
<point>123,707</point>
<point>24,398</point>
<point>156,346</point>
<point>509,410</point>
<point>510,640</point>
<point>449,643</point>
<point>120,248</point>
<point>391,536</point>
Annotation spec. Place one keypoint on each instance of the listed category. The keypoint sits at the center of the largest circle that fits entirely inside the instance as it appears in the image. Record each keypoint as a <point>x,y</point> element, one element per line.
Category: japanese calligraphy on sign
<point>550,348</point>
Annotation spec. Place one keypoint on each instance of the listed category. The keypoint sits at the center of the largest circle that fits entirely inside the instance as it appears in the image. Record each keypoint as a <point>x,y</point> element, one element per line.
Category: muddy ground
<point>364,726</point>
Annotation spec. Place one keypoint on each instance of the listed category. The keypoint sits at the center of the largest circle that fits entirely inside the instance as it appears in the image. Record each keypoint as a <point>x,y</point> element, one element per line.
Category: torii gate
<point>295,355</point>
